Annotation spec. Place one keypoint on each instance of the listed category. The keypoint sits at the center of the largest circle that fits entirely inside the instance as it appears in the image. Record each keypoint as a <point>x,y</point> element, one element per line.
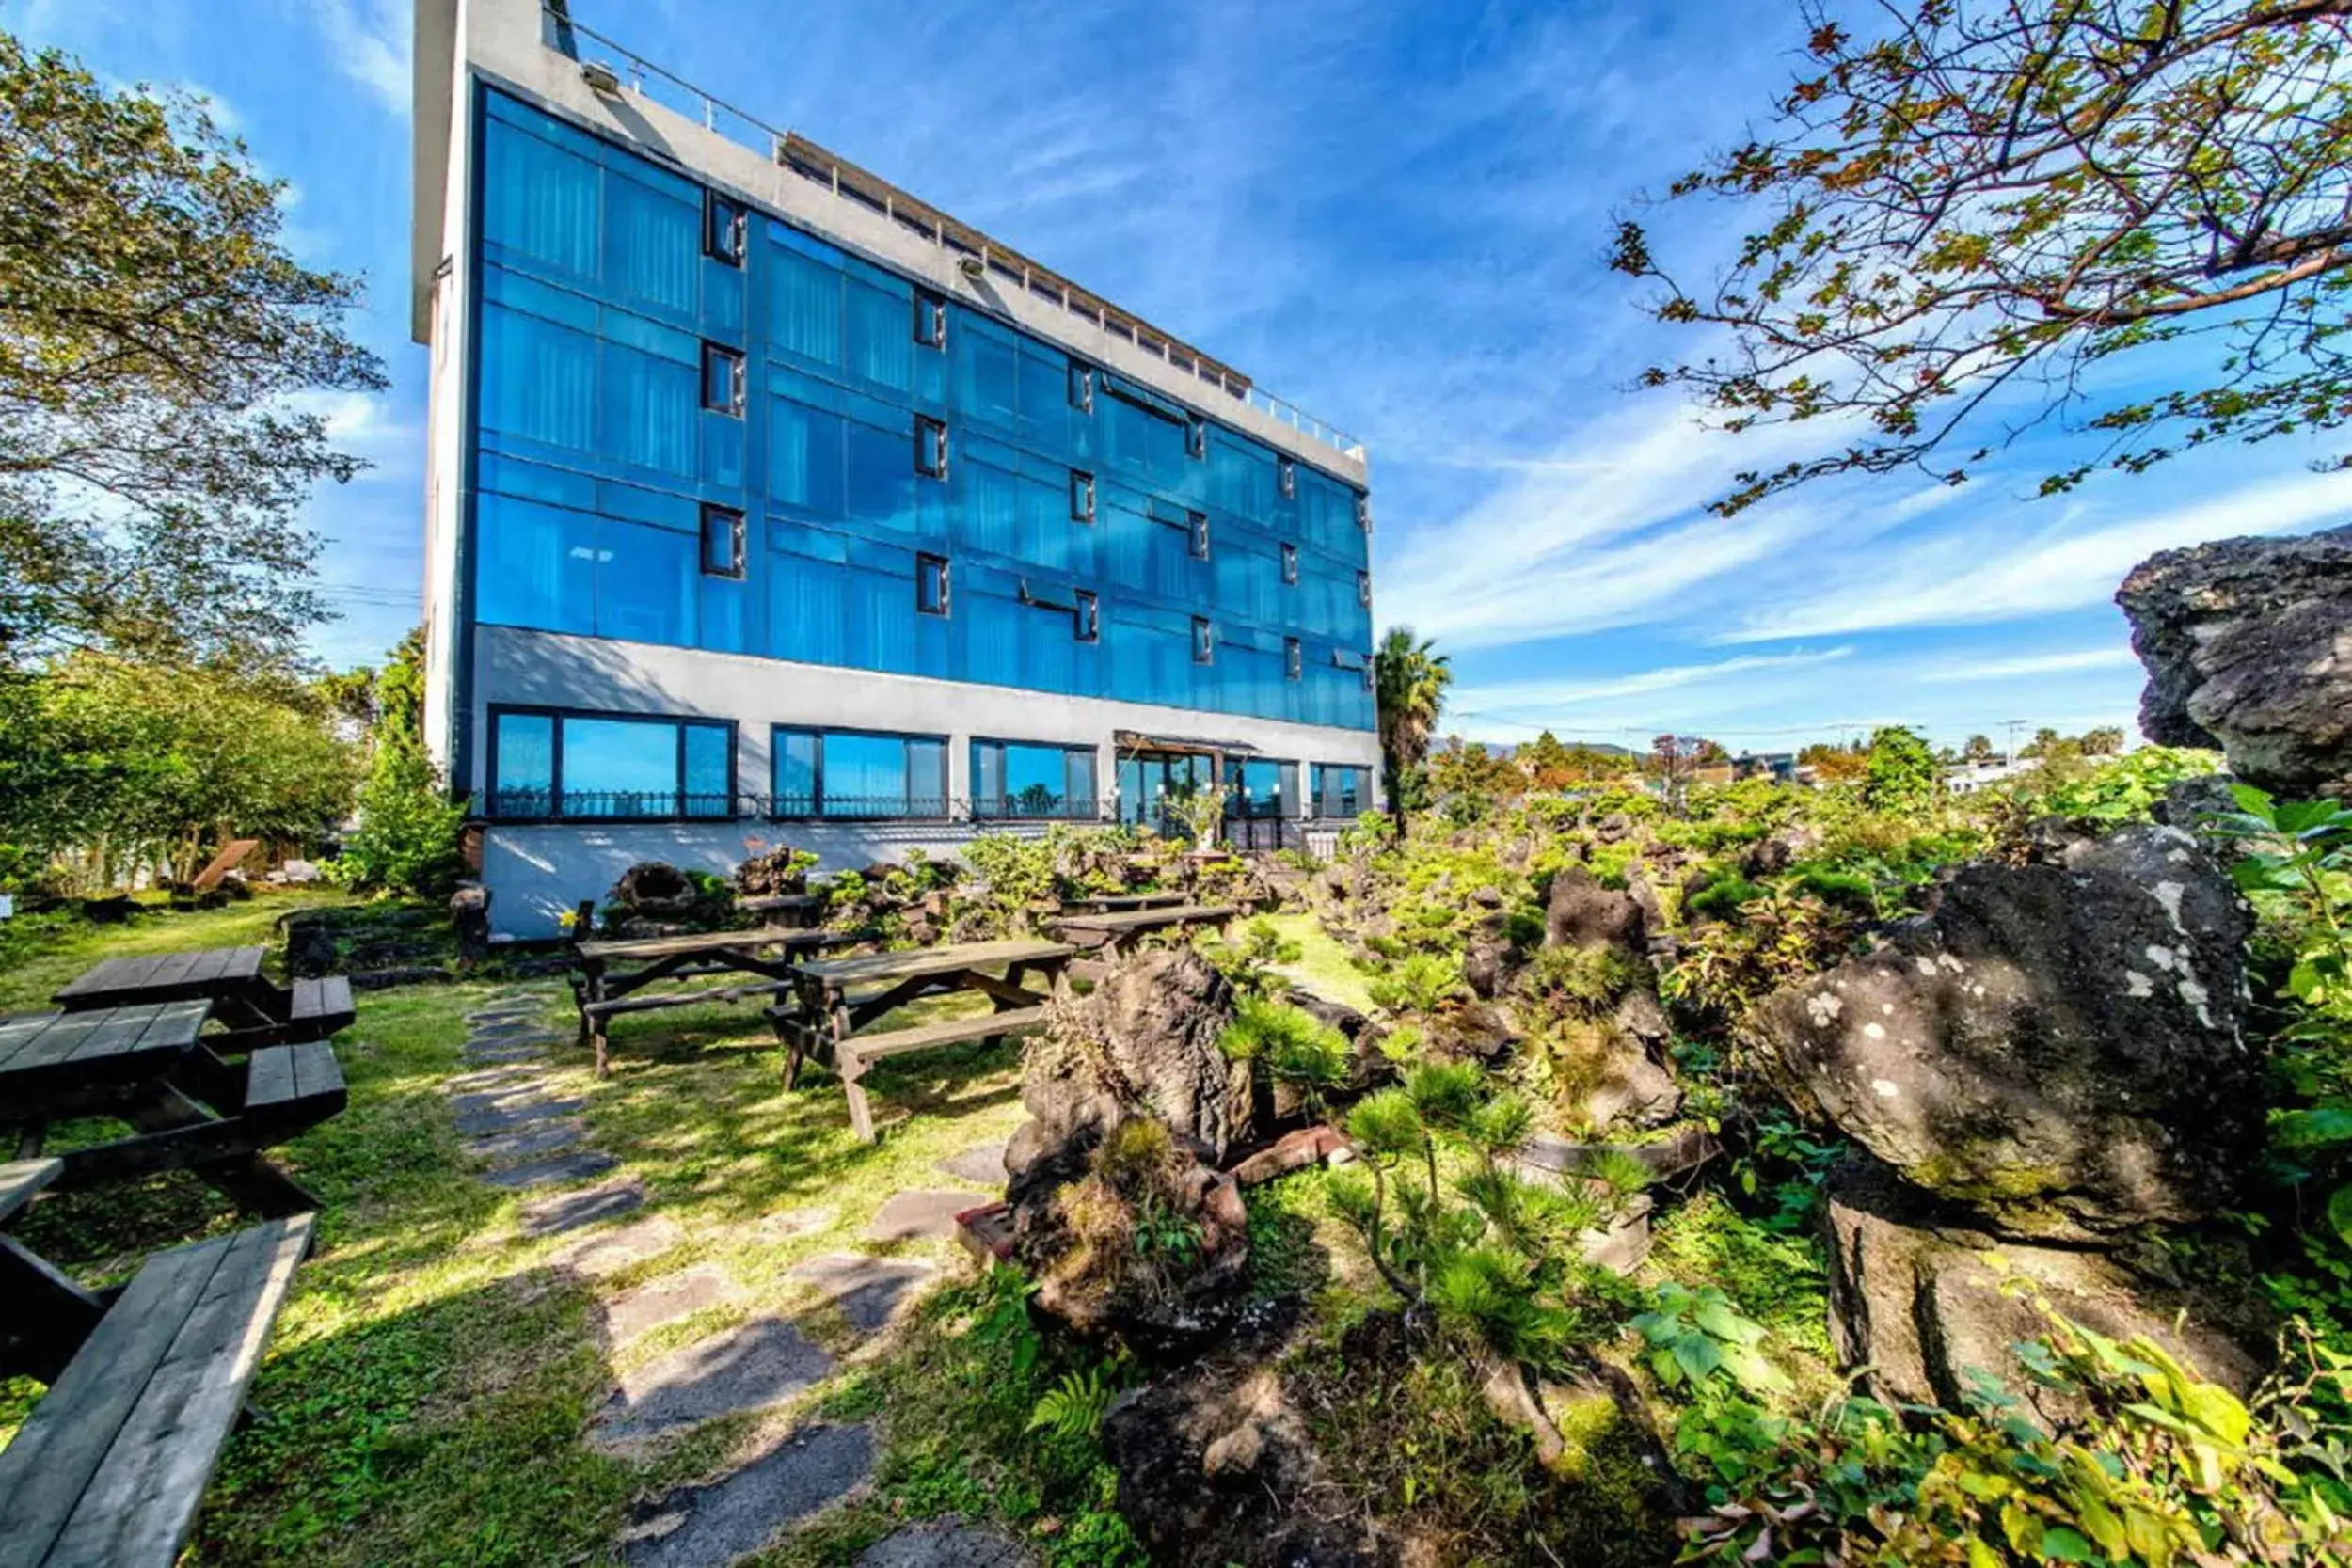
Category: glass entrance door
<point>1150,782</point>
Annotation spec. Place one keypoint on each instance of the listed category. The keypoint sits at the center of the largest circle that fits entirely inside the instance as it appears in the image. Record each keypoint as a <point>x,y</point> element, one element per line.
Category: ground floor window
<point>1339,791</point>
<point>858,774</point>
<point>1016,779</point>
<point>1263,788</point>
<point>549,765</point>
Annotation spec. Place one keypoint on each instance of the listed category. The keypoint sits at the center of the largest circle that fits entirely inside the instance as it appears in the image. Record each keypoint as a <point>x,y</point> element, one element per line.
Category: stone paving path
<point>529,1136</point>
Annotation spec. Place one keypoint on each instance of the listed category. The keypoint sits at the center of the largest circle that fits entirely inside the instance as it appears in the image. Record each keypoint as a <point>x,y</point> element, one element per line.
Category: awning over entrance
<point>1134,740</point>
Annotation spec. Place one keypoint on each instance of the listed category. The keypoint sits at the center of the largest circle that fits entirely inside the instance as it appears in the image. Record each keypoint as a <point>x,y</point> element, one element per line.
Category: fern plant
<point>1072,1409</point>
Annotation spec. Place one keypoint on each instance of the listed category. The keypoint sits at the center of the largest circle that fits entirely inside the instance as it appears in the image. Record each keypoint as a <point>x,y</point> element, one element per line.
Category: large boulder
<point>1144,1041</point>
<point>1925,1304</point>
<point>2056,1045</point>
<point>2248,647</point>
<point>1584,913</point>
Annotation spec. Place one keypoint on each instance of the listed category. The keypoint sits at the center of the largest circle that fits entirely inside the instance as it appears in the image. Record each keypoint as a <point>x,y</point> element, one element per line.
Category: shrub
<point>407,840</point>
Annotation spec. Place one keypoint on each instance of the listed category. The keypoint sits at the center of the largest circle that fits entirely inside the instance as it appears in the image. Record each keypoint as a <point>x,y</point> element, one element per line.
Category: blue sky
<point>1393,216</point>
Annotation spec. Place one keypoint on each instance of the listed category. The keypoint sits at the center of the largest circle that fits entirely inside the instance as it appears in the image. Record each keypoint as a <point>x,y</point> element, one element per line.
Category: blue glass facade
<point>732,436</point>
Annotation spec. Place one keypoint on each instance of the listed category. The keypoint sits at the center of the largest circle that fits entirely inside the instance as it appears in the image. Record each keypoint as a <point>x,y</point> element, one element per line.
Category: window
<point>1363,589</point>
<point>1014,779</point>
<point>931,446</point>
<point>1293,660</point>
<point>555,766</point>
<point>1365,670</point>
<point>724,222</point>
<point>1085,617</point>
<point>1081,387</point>
<point>1081,497</point>
<point>1259,786</point>
<point>723,380</point>
<point>1338,791</point>
<point>857,773</point>
<point>1286,477</point>
<point>1203,640</point>
<point>1196,524</point>
<point>1195,437</point>
<point>1364,513</point>
<point>722,542</point>
<point>930,585</point>
<point>930,319</point>
<point>1290,565</point>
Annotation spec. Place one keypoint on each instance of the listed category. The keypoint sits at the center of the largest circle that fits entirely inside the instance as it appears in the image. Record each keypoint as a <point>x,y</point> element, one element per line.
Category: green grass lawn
<point>43,952</point>
<point>1324,966</point>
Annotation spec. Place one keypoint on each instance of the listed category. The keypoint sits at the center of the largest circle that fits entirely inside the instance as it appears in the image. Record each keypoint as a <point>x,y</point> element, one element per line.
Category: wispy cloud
<point>1963,669</point>
<point>1542,700</point>
<point>370,44</point>
<point>1963,576</point>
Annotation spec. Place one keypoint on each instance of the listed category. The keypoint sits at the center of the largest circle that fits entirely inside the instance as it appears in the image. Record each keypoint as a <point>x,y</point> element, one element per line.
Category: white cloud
<point>372,44</point>
<point>1969,576</point>
<point>1520,698</point>
<point>2033,664</point>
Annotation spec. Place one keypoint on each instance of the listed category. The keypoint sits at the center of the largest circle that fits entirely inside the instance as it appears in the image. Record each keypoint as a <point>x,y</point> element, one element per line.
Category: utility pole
<point>2012,726</point>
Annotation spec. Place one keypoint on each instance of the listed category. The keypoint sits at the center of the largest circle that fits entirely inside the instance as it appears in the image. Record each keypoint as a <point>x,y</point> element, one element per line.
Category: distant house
<point>1759,765</point>
<point>1969,777</point>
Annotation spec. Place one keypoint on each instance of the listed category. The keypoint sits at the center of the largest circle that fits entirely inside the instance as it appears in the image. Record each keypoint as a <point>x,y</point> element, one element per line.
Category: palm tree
<point>1410,680</point>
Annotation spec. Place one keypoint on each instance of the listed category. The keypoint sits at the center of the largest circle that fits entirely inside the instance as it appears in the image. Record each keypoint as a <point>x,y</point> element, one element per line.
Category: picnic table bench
<point>188,1109</point>
<point>837,998</point>
<point>1119,933</point>
<point>145,1385</point>
<point>247,1003</point>
<point>764,956</point>
<point>1118,903</point>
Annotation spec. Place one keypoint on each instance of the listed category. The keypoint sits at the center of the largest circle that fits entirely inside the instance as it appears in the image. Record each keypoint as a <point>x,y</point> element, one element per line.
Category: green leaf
<point>2061,1545</point>
<point>2320,1127</point>
<point>1698,1356</point>
<point>1721,1319</point>
<point>2340,1213</point>
<point>2252,801</point>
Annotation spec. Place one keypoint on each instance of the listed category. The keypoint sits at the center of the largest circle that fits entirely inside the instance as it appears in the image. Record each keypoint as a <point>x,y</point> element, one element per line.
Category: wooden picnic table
<point>145,1385</point>
<point>604,988</point>
<point>189,1110</point>
<point>1120,933</point>
<point>828,1020</point>
<point>244,1001</point>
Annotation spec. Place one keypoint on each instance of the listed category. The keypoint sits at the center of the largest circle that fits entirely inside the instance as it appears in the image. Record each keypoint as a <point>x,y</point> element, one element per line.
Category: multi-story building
<point>769,505</point>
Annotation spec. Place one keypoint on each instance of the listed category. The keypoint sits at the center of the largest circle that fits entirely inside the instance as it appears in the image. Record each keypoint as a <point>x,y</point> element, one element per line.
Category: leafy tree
<point>2105,741</point>
<point>155,340</point>
<point>1545,762</point>
<point>1410,676</point>
<point>1978,749</point>
<point>1467,769</point>
<point>406,837</point>
<point>1967,214</point>
<point>1834,763</point>
<point>1901,776</point>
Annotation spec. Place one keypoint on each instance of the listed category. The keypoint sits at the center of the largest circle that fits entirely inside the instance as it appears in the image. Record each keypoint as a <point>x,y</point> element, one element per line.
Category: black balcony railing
<point>608,805</point>
<point>1035,804</point>
<point>849,808</point>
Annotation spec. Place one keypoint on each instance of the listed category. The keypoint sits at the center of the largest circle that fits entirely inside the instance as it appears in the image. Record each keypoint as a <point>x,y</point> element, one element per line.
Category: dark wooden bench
<point>110,1467</point>
<point>321,1006</point>
<point>288,1089</point>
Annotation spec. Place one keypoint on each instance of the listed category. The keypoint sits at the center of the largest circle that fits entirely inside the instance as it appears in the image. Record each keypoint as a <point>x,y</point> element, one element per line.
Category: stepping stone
<point>666,1299</point>
<point>754,1364</point>
<point>517,1029</point>
<point>787,1223</point>
<point>919,1216</point>
<point>549,1217</point>
<point>478,1113</point>
<point>496,1080</point>
<point>512,1051</point>
<point>946,1543</point>
<point>544,1137</point>
<point>483,1037</point>
<point>869,1290</point>
<point>513,1013</point>
<point>984,1165</point>
<point>699,1526</point>
<point>610,1251</point>
<point>553,1171</point>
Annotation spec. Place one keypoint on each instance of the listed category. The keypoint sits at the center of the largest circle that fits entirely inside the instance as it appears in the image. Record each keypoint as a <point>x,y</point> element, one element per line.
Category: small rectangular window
<point>724,222</point>
<point>1363,589</point>
<point>1086,616</point>
<point>1364,513</point>
<point>1203,640</point>
<point>930,319</point>
<point>1290,564</point>
<point>722,542</point>
<point>1081,387</point>
<point>723,380</point>
<point>930,585</point>
<point>1081,497</point>
<point>1196,524</point>
<point>931,446</point>
<point>1286,478</point>
<point>1195,437</point>
<point>1366,668</point>
<point>1293,660</point>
